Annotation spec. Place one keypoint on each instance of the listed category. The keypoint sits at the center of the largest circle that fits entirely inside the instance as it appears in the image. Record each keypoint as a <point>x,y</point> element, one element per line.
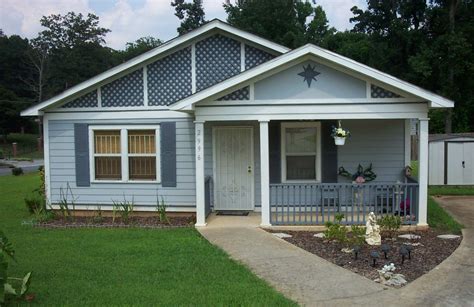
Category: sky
<point>132,19</point>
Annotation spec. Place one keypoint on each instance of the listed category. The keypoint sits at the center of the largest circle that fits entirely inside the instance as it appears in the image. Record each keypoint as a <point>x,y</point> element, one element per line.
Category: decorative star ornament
<point>309,74</point>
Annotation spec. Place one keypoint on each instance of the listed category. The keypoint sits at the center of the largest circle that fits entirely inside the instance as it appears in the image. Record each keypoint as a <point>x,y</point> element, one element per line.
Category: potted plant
<point>340,134</point>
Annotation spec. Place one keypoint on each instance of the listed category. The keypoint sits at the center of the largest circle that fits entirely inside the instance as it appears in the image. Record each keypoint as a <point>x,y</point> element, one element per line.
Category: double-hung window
<point>125,154</point>
<point>301,151</point>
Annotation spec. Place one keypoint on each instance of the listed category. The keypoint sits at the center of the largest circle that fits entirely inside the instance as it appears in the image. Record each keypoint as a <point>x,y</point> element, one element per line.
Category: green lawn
<point>438,218</point>
<point>124,266</point>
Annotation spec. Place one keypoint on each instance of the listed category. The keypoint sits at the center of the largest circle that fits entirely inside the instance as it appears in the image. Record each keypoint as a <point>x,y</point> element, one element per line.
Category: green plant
<point>98,218</point>
<point>66,202</point>
<point>335,230</point>
<point>2,155</point>
<point>17,171</point>
<point>161,209</point>
<point>125,209</point>
<point>390,224</point>
<point>357,235</point>
<point>7,284</point>
<point>42,215</point>
<point>34,202</point>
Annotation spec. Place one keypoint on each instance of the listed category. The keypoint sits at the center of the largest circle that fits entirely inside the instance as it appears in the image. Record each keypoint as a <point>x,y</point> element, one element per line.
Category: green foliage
<point>335,230</point>
<point>7,284</point>
<point>124,209</point>
<point>390,224</point>
<point>365,173</point>
<point>357,235</point>
<point>438,218</point>
<point>161,209</point>
<point>17,171</point>
<point>34,202</point>
<point>140,46</point>
<point>191,14</point>
<point>98,218</point>
<point>67,202</point>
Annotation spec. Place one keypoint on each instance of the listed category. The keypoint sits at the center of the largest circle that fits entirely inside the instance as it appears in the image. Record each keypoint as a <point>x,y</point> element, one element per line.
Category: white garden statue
<point>372,231</point>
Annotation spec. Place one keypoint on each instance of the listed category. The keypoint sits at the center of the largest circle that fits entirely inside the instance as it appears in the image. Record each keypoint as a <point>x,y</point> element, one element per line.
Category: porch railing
<point>315,204</point>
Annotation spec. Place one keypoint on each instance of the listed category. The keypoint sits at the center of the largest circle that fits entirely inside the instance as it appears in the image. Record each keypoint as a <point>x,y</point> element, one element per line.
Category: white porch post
<point>199,158</point>
<point>423,171</point>
<point>264,173</point>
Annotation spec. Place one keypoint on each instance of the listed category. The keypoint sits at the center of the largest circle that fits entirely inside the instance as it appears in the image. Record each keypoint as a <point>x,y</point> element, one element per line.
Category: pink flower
<point>360,179</point>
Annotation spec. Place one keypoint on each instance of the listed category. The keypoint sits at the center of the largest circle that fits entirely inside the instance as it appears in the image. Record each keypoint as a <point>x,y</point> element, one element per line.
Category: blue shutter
<point>168,154</point>
<point>274,144</point>
<point>81,151</point>
<point>328,153</point>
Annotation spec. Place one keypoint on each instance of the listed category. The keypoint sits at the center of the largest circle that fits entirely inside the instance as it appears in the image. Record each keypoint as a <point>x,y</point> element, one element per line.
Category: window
<point>125,154</point>
<point>301,157</point>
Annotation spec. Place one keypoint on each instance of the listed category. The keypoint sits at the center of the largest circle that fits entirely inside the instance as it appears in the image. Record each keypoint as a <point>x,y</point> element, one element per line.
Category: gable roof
<point>215,24</point>
<point>319,53</point>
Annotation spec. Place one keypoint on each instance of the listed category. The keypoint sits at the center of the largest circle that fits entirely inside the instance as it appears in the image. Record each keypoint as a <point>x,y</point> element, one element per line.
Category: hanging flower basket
<point>339,134</point>
<point>339,140</point>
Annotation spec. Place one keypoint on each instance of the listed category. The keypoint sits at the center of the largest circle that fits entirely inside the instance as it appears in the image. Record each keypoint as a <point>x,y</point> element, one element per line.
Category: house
<point>451,159</point>
<point>221,119</point>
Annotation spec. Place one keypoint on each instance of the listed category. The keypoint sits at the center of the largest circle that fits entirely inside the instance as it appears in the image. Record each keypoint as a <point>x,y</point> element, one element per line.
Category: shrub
<point>358,235</point>
<point>2,155</point>
<point>98,215</point>
<point>9,290</point>
<point>17,171</point>
<point>390,224</point>
<point>34,202</point>
<point>124,209</point>
<point>161,209</point>
<point>67,202</point>
<point>335,230</point>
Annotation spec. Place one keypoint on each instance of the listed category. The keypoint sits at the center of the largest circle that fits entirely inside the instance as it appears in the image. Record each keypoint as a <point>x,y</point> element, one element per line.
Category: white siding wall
<point>62,168</point>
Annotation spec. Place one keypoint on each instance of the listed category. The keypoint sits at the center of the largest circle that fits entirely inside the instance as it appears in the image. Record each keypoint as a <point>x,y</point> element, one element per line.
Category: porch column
<point>423,171</point>
<point>199,158</point>
<point>264,173</point>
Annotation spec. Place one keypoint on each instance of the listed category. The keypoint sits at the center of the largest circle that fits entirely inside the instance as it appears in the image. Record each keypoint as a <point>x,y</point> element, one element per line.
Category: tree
<point>140,46</point>
<point>192,15</point>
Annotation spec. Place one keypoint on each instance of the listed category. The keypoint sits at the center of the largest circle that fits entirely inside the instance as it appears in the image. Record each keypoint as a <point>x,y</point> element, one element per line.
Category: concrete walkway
<point>313,281</point>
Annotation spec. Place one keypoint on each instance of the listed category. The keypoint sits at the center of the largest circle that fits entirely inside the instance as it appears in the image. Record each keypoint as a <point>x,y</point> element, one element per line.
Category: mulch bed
<point>107,222</point>
<point>424,257</point>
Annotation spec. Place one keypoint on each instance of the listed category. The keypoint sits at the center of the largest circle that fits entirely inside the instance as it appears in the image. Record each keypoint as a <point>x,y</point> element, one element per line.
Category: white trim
<point>193,68</point>
<point>124,155</point>
<point>368,90</point>
<point>242,56</point>
<point>407,142</point>
<point>423,171</point>
<point>145,86</point>
<point>108,206</point>
<point>200,186</point>
<point>99,97</point>
<point>158,114</point>
<point>264,173</point>
<point>268,102</point>
<point>47,165</point>
<point>251,92</point>
<point>318,53</point>
<point>214,164</point>
<point>141,59</point>
<point>284,126</point>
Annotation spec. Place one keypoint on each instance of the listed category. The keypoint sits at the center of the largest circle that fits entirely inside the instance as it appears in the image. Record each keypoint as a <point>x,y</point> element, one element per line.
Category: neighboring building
<point>221,119</point>
<point>451,159</point>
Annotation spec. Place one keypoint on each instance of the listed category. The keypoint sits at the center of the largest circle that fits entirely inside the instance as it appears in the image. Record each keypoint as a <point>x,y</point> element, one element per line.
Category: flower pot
<point>339,140</point>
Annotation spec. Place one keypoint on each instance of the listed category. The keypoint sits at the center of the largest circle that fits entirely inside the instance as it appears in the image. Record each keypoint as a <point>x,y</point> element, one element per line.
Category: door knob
<point>249,169</point>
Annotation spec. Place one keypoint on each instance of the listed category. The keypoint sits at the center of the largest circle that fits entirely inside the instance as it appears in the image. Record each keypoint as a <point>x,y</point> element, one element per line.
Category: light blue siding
<point>330,84</point>
<point>380,142</point>
<point>62,169</point>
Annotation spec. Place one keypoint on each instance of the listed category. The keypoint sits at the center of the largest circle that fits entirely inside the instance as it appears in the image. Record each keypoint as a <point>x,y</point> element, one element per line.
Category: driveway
<point>27,166</point>
<point>313,281</point>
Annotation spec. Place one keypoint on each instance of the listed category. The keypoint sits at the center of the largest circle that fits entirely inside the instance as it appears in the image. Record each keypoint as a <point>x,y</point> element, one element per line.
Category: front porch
<point>280,202</point>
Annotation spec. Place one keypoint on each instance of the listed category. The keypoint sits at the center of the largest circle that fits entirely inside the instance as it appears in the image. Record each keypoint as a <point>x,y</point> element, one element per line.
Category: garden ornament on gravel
<point>356,251</point>
<point>372,230</point>
<point>404,252</point>
<point>374,255</point>
<point>409,249</point>
<point>385,250</point>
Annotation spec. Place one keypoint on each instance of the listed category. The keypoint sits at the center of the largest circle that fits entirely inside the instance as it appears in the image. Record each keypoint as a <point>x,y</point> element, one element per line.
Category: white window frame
<point>124,152</point>
<point>284,126</point>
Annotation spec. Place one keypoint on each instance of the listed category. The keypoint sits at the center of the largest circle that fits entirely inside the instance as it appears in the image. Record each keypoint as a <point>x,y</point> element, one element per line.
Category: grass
<point>124,266</point>
<point>438,218</point>
<point>451,190</point>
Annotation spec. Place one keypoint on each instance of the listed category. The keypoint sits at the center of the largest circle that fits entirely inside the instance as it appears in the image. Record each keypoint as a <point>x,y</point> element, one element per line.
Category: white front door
<point>233,168</point>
